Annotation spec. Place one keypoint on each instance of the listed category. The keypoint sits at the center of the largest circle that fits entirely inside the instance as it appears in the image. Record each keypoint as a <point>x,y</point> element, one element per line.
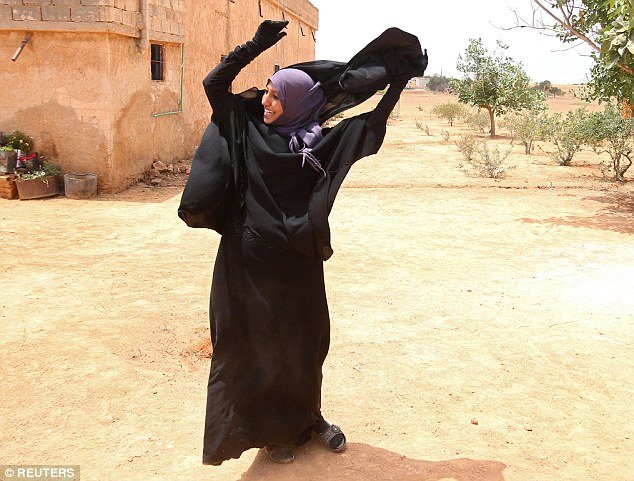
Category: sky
<point>444,29</point>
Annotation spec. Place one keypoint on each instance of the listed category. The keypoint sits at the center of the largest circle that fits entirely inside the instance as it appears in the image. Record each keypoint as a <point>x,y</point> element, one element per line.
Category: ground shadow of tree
<point>616,216</point>
<point>362,462</point>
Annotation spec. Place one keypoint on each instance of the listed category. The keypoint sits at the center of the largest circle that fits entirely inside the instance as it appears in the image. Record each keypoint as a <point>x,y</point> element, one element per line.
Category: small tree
<point>449,111</point>
<point>544,85</point>
<point>438,83</point>
<point>493,82</point>
<point>568,134</point>
<point>608,132</point>
<point>556,91</point>
<point>527,126</point>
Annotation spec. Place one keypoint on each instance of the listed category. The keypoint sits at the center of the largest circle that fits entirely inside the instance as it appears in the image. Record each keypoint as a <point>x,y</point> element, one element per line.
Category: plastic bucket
<point>80,186</point>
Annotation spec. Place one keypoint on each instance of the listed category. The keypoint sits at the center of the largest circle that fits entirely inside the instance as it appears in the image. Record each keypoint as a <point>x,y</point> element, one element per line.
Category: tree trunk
<point>492,121</point>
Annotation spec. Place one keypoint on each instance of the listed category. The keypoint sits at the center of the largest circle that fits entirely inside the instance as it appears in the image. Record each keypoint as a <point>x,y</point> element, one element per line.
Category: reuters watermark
<point>39,472</point>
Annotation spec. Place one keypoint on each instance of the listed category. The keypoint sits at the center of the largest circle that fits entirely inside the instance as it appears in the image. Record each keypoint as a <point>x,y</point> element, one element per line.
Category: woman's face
<point>272,104</point>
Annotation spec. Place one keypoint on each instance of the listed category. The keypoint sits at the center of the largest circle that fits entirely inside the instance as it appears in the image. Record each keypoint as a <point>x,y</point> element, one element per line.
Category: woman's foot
<point>330,435</point>
<point>280,455</point>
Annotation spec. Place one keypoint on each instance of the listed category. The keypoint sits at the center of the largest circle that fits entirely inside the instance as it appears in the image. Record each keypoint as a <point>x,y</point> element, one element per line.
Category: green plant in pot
<point>43,182</point>
<point>18,140</point>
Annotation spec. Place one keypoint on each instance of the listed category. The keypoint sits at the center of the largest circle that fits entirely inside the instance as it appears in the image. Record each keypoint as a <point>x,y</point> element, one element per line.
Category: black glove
<point>269,33</point>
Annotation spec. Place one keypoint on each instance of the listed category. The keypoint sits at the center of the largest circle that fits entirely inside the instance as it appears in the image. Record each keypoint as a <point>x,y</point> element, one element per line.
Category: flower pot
<point>8,161</point>
<point>38,188</point>
<point>80,186</point>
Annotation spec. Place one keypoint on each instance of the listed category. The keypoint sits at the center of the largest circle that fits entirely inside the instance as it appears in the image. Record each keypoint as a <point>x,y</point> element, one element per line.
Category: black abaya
<point>268,311</point>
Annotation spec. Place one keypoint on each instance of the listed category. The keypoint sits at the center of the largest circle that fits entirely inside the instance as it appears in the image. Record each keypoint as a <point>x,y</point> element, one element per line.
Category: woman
<point>265,176</point>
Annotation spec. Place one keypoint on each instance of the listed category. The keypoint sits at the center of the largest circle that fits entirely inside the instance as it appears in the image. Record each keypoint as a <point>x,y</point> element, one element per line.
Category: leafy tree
<point>608,132</point>
<point>449,111</point>
<point>607,26</point>
<point>556,91</point>
<point>438,83</point>
<point>494,82</point>
<point>544,85</point>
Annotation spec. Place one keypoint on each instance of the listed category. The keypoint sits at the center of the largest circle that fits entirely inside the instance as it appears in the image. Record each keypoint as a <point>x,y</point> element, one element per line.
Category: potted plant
<point>12,148</point>
<point>8,156</point>
<point>44,182</point>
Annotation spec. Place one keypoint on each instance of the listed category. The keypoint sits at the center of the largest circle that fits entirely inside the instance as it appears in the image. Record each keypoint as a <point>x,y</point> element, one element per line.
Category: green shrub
<point>527,127</point>
<point>449,111</point>
<point>568,134</point>
<point>608,132</point>
<point>19,140</point>
<point>478,120</point>
<point>467,145</point>
<point>423,127</point>
<point>486,162</point>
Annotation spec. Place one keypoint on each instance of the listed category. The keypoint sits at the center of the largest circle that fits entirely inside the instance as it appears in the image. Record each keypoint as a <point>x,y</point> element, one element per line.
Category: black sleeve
<point>217,83</point>
<point>382,111</point>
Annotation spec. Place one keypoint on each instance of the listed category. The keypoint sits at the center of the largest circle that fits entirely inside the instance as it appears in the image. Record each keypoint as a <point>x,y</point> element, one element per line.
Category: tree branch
<point>568,26</point>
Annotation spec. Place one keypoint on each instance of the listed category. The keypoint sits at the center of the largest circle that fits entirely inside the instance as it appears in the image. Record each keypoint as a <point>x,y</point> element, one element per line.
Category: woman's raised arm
<point>218,82</point>
<point>385,106</point>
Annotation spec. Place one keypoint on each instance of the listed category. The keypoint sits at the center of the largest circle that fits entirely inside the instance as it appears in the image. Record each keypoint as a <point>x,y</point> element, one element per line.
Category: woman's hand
<point>269,33</point>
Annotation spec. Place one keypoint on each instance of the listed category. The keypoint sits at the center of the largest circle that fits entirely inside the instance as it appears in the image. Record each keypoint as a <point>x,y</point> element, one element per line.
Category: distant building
<point>109,86</point>
<point>420,82</point>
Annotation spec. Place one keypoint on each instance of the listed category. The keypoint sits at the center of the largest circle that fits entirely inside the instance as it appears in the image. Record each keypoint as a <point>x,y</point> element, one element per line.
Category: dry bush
<point>483,161</point>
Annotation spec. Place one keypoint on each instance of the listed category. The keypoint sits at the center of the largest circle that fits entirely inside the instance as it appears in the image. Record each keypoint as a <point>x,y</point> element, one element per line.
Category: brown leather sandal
<point>280,455</point>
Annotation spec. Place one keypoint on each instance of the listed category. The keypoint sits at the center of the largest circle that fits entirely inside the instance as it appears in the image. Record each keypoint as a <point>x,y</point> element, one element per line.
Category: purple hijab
<point>302,98</point>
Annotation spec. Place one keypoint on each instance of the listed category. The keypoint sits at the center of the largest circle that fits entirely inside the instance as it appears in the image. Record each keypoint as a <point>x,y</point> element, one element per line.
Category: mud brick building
<point>109,86</point>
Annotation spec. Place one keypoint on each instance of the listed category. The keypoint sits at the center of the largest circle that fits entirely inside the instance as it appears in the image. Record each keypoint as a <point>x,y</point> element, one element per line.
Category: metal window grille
<point>157,62</point>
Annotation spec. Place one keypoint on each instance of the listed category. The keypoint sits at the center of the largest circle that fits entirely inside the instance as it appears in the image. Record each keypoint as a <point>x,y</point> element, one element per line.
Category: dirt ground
<point>481,329</point>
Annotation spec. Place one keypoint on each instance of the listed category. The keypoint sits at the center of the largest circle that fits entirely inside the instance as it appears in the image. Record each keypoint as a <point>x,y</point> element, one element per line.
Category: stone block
<point>26,12</point>
<point>172,27</point>
<point>128,18</point>
<point>66,2</point>
<point>56,14</point>
<point>133,19</point>
<point>96,2</point>
<point>111,14</point>
<point>36,2</point>
<point>133,5</point>
<point>6,12</point>
<point>85,14</point>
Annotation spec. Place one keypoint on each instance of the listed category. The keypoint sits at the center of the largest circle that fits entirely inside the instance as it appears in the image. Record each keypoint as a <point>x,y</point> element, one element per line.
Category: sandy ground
<point>482,329</point>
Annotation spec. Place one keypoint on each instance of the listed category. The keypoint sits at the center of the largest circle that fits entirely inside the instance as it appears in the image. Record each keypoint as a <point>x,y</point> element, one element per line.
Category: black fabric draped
<point>268,312</point>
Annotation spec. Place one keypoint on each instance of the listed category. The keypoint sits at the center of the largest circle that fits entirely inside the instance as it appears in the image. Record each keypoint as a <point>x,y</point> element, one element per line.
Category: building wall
<point>83,89</point>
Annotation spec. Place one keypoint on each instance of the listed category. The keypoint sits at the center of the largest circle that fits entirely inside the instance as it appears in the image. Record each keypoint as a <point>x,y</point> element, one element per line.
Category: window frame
<point>157,62</point>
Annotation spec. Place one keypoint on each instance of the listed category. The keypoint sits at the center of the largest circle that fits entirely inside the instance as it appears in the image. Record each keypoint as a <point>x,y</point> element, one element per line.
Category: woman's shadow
<point>360,462</point>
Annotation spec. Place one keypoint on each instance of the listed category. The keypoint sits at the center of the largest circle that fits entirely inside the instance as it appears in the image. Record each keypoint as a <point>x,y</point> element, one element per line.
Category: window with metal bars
<point>157,61</point>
